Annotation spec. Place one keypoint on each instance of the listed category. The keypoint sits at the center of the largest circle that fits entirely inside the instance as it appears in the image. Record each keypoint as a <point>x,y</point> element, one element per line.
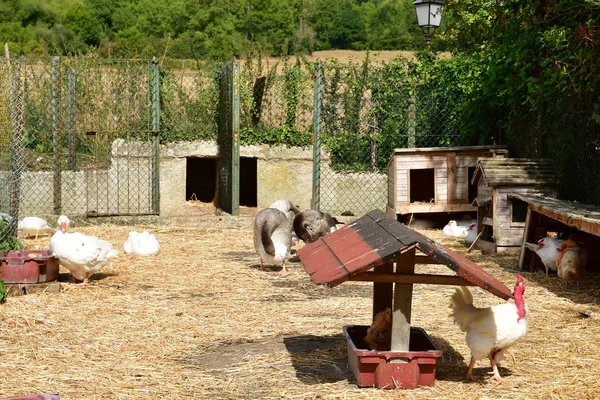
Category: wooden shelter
<point>500,218</point>
<point>381,243</point>
<point>435,179</point>
<point>545,214</point>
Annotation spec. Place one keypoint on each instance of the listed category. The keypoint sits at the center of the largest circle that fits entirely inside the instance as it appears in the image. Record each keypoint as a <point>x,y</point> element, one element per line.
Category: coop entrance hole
<point>422,185</point>
<point>201,180</point>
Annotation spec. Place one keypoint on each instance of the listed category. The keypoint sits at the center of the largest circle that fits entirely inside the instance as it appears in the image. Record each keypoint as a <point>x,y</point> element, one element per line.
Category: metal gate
<point>110,114</point>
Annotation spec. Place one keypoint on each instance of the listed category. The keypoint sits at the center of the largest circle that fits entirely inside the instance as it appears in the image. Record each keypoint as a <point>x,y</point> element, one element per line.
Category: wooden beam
<point>528,236</point>
<point>383,292</point>
<point>451,188</point>
<point>401,310</point>
<point>427,279</point>
<point>423,259</point>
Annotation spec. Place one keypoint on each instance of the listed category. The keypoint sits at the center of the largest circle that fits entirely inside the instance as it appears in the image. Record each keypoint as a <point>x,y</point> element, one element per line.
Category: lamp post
<point>429,16</point>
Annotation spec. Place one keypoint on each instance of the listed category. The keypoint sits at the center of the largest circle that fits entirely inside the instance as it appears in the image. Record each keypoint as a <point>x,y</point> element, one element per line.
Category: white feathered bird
<point>547,250</point>
<point>491,330</point>
<point>81,254</point>
<point>272,235</point>
<point>471,234</point>
<point>453,229</point>
<point>33,226</point>
<point>144,244</point>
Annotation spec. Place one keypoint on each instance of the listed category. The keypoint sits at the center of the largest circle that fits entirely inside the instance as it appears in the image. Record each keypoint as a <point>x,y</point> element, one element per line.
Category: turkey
<point>272,235</point>
<point>33,226</point>
<point>491,330</point>
<point>81,254</point>
<point>310,225</point>
<point>144,244</point>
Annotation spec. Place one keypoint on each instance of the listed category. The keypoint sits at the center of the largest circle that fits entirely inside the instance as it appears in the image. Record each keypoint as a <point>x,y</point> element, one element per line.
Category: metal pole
<point>412,116</point>
<point>72,121</point>
<point>16,140</point>
<point>56,139</point>
<point>317,105</point>
<point>155,136</point>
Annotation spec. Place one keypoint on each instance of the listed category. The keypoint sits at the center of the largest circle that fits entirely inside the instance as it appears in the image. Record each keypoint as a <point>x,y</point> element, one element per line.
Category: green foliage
<point>7,240</point>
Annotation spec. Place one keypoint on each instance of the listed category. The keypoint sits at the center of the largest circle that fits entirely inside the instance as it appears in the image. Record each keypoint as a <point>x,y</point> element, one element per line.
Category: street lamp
<point>429,16</point>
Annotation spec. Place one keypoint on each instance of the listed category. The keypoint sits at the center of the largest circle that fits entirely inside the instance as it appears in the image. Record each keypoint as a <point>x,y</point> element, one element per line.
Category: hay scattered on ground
<point>200,320</point>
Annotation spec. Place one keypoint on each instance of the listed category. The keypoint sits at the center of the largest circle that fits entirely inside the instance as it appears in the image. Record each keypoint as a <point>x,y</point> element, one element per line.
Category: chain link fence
<point>365,111</point>
<point>78,136</point>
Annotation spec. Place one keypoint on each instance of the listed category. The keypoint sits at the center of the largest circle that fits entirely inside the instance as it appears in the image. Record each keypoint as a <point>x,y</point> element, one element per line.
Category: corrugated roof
<point>515,172</point>
<point>375,239</point>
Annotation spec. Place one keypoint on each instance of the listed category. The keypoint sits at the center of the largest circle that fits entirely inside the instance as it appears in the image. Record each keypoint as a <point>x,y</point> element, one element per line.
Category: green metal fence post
<point>57,173</point>
<point>317,105</point>
<point>155,136</point>
<point>235,133</point>
<point>72,120</point>
<point>412,116</point>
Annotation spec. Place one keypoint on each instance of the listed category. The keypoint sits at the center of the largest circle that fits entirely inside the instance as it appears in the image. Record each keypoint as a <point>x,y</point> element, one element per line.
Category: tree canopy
<point>206,29</point>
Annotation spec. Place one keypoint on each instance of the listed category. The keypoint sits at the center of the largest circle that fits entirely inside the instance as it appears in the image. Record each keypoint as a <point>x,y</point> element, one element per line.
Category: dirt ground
<point>201,321</point>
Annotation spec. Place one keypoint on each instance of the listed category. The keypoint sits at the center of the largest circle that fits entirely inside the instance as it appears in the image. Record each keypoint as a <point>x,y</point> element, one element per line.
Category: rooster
<point>547,250</point>
<point>379,334</point>
<point>492,330</point>
<point>571,261</point>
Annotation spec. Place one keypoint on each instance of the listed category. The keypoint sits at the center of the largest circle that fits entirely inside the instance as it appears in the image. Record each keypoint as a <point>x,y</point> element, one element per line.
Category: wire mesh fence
<point>365,112</point>
<point>78,136</point>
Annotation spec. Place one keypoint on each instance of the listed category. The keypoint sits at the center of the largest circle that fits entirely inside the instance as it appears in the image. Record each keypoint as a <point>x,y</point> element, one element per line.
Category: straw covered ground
<point>200,320</point>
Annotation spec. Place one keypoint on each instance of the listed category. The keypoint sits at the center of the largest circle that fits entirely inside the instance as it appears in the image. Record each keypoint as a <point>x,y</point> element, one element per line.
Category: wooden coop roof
<point>515,172</point>
<point>474,151</point>
<point>377,238</point>
<point>584,217</point>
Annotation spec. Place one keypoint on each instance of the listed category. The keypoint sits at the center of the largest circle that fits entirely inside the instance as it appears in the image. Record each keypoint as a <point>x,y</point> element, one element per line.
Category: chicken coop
<point>436,179</point>
<point>500,216</point>
<point>377,248</point>
<point>581,222</point>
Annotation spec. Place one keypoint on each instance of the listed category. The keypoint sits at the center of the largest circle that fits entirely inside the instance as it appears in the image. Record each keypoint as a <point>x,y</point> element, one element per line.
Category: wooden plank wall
<point>415,161</point>
<point>505,234</point>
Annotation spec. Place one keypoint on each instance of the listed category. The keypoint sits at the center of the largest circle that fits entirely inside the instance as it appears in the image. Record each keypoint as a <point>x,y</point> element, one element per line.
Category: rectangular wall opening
<point>422,185</point>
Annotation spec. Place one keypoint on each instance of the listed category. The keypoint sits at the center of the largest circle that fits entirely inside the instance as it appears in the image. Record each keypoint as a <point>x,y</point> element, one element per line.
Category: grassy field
<point>201,321</point>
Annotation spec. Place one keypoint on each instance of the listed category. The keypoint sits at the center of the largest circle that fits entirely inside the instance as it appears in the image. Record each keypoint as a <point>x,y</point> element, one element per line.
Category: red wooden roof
<point>375,239</point>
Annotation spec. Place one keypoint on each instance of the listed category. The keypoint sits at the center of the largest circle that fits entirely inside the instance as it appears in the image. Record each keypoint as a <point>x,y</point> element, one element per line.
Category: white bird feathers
<point>144,244</point>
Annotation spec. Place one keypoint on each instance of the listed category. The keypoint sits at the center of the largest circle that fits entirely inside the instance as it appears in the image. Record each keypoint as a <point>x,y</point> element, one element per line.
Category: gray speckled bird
<point>310,225</point>
<point>290,210</point>
<point>272,237</point>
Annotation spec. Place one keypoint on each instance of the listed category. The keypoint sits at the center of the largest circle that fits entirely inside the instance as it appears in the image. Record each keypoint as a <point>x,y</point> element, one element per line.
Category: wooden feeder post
<point>405,265</point>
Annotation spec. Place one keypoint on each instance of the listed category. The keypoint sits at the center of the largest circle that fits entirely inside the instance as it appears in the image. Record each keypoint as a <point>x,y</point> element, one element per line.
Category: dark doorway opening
<point>248,182</point>
<point>472,187</point>
<point>201,180</point>
<point>422,185</point>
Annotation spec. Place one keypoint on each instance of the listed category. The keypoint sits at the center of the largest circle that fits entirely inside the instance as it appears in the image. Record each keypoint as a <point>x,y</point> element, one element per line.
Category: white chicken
<point>491,330</point>
<point>453,229</point>
<point>571,261</point>
<point>547,250</point>
<point>272,235</point>
<point>81,254</point>
<point>33,226</point>
<point>471,234</point>
<point>144,244</point>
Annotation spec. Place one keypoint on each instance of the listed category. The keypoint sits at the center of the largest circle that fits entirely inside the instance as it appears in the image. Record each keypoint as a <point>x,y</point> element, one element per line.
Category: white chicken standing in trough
<point>144,244</point>
<point>81,254</point>
<point>33,226</point>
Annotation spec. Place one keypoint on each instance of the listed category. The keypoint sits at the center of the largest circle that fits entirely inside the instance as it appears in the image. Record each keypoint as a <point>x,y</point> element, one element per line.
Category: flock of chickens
<point>565,257</point>
<point>84,255</point>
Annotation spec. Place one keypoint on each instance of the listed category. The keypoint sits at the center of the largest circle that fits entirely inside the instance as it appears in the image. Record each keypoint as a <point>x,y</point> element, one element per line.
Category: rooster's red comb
<point>520,279</point>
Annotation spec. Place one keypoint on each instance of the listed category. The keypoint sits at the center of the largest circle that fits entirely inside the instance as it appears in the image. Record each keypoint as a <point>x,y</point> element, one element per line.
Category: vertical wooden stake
<point>402,303</point>
<point>382,292</point>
